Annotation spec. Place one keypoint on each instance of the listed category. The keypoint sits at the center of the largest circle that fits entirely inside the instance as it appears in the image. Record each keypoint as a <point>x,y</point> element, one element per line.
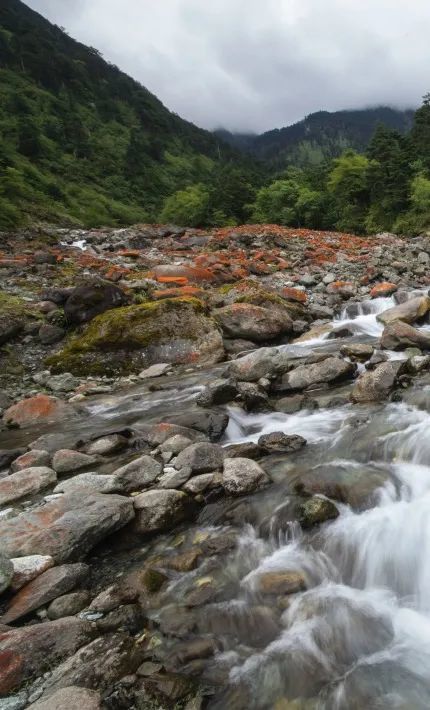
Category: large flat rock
<point>66,528</point>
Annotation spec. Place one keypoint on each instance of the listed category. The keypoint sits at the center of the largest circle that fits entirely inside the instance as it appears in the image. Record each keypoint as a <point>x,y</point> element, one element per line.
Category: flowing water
<point>359,637</point>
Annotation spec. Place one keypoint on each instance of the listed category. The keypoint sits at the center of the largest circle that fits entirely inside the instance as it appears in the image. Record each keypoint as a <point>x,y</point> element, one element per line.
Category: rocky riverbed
<point>214,469</point>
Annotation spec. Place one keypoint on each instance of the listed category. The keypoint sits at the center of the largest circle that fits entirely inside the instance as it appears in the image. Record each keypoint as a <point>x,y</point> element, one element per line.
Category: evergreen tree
<point>388,177</point>
<point>420,134</point>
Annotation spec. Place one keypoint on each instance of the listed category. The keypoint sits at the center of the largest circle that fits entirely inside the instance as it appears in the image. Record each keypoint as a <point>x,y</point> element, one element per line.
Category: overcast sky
<point>253,65</point>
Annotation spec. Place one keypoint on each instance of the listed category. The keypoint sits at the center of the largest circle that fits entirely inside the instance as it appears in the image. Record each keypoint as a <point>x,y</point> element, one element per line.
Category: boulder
<point>330,370</point>
<point>26,482</point>
<point>90,299</point>
<point>245,320</point>
<point>107,445</point>
<point>282,582</point>
<point>357,351</point>
<point>98,665</point>
<point>209,423</point>
<point>159,433</point>
<point>175,444</point>
<point>30,650</point>
<point>408,312</point>
<point>159,510</point>
<point>68,605</point>
<point>386,288</point>
<point>200,484</point>
<point>35,457</point>
<point>375,385</point>
<point>99,482</point>
<point>174,479</point>
<point>264,362</point>
<point>127,339</point>
<point>34,410</point>
<point>316,510</point>
<point>65,528</point>
<point>25,569</point>
<point>62,383</point>
<point>70,698</point>
<point>201,457</point>
<point>47,586</point>
<point>279,443</point>
<point>112,597</point>
<point>67,461</point>
<point>137,474</point>
<point>254,398</point>
<point>246,450</point>
<point>157,370</point>
<point>398,336</point>
<point>242,476</point>
<point>217,392</point>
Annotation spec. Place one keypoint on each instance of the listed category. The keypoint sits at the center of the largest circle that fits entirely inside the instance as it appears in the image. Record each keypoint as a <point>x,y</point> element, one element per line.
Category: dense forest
<point>319,137</point>
<point>82,143</point>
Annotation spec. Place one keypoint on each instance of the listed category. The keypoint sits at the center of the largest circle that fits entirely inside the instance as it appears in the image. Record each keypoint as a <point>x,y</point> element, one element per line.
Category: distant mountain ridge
<point>320,136</point>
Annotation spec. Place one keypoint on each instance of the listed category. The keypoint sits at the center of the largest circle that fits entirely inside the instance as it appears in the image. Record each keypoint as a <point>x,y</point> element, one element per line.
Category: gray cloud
<point>253,65</point>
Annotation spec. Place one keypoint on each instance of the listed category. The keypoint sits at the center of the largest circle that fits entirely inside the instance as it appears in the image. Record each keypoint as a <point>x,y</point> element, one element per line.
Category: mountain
<point>320,136</point>
<point>82,142</point>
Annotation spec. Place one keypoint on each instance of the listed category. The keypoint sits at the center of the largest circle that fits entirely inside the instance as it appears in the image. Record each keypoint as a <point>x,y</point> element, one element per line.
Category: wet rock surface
<point>213,462</point>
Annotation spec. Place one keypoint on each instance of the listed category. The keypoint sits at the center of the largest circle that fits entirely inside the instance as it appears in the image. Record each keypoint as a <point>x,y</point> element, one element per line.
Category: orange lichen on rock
<point>383,289</point>
<point>294,294</point>
<point>33,410</point>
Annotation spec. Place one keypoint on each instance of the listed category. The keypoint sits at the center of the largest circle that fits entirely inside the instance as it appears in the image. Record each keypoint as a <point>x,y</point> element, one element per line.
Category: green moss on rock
<point>123,340</point>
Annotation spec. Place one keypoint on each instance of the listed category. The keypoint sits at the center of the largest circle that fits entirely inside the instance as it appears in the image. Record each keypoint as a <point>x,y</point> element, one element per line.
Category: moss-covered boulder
<point>14,314</point>
<point>127,339</point>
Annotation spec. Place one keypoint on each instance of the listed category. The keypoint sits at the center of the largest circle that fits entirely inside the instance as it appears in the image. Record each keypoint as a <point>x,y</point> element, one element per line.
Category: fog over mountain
<point>252,66</point>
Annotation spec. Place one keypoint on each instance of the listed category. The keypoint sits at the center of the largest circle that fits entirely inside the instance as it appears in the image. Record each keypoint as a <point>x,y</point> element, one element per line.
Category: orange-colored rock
<point>383,289</point>
<point>172,279</point>
<point>343,288</point>
<point>294,294</point>
<point>191,273</point>
<point>34,410</point>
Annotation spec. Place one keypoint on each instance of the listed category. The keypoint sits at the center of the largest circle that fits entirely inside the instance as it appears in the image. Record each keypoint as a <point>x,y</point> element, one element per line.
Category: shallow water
<point>359,637</point>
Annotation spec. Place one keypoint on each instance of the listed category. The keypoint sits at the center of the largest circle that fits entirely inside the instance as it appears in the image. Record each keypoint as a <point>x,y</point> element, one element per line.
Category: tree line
<point>387,188</point>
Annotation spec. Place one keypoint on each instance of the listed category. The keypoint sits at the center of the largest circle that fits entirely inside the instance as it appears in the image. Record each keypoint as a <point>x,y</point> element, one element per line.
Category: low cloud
<point>249,65</point>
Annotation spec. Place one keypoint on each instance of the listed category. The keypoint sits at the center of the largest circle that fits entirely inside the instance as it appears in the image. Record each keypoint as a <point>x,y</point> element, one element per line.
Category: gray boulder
<point>137,474</point>
<point>398,336</point>
<point>65,528</point>
<point>90,299</point>
<point>201,457</point>
<point>408,312</point>
<point>331,370</point>
<point>242,476</point>
<point>26,482</point>
<point>375,385</point>
<point>159,510</point>
<point>245,320</point>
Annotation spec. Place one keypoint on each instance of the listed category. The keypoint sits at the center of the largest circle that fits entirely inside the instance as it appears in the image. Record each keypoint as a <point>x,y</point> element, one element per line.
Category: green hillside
<point>82,142</point>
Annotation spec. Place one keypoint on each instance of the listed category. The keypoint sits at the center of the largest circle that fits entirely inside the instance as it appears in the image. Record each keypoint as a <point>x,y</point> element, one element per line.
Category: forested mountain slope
<point>80,140</point>
<point>320,136</point>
